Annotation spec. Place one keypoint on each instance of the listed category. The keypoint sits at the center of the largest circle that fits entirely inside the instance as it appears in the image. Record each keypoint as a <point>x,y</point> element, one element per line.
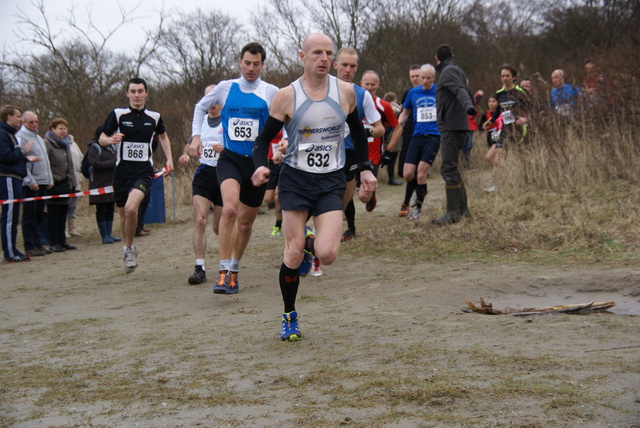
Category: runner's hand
<point>386,158</point>
<point>368,181</point>
<point>195,148</point>
<point>260,176</point>
<point>169,166</point>
<point>183,159</point>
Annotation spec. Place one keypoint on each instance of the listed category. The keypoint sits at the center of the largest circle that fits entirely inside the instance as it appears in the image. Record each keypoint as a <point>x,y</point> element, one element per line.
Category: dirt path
<point>385,342</point>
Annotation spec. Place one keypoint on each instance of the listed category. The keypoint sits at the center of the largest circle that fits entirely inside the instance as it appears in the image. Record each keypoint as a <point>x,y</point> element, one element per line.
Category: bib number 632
<point>318,160</point>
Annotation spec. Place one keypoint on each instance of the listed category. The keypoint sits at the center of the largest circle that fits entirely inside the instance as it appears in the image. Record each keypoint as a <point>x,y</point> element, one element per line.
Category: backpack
<point>86,166</point>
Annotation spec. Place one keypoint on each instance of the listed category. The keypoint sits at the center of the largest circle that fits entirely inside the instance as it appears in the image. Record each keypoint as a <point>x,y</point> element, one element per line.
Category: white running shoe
<point>316,268</point>
<point>130,262</point>
<point>491,189</point>
<point>415,214</point>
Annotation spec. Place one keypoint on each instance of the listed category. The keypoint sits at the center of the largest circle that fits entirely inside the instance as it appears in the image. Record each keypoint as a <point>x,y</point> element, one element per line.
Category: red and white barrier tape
<point>100,191</point>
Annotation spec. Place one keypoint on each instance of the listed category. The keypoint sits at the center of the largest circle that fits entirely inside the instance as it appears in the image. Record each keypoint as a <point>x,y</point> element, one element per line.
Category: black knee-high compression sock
<point>421,193</point>
<point>289,282</point>
<point>350,214</point>
<point>409,189</point>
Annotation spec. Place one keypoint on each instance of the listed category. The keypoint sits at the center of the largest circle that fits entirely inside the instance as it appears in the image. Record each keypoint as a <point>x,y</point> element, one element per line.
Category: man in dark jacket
<point>13,167</point>
<point>454,103</point>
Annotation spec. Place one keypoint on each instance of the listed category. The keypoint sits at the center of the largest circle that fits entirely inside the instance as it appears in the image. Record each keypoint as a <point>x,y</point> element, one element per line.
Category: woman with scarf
<point>64,182</point>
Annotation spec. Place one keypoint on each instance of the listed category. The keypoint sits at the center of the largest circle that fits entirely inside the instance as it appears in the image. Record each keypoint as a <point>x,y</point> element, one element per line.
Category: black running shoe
<point>199,276</point>
<point>348,235</point>
<point>371,205</point>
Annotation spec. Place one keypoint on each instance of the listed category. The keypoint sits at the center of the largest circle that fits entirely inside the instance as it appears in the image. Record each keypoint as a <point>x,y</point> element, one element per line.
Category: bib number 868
<point>135,153</point>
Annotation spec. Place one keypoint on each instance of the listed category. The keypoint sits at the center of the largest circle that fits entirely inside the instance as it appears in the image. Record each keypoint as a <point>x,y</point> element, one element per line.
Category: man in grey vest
<point>314,109</point>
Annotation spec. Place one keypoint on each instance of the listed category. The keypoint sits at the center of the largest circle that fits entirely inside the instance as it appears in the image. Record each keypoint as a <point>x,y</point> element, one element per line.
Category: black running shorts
<point>423,148</point>
<point>273,175</point>
<point>232,166</point>
<point>351,169</point>
<point>306,191</point>
<point>205,184</point>
<point>123,185</point>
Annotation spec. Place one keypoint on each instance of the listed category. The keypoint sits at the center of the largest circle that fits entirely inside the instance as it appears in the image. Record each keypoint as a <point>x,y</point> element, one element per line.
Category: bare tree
<point>197,49</point>
<point>281,31</point>
<point>283,25</point>
<point>347,22</point>
<point>69,72</point>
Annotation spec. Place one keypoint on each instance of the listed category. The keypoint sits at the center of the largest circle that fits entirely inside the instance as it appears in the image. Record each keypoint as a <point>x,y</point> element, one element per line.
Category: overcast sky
<point>106,14</point>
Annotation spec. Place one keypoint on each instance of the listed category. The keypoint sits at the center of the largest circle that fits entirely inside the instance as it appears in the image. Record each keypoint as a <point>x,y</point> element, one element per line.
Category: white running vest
<point>209,137</point>
<point>316,131</point>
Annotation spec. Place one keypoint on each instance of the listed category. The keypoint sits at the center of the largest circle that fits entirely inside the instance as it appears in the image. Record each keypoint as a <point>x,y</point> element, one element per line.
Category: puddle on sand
<point>625,305</point>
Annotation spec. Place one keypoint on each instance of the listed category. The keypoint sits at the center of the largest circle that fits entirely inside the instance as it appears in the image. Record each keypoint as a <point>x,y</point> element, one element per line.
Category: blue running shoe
<point>222,285</point>
<point>290,331</point>
<point>233,283</point>
<point>305,266</point>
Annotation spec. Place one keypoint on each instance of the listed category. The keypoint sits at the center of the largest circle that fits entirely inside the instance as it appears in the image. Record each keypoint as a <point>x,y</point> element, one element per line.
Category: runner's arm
<point>359,137</point>
<point>260,153</point>
<point>397,131</point>
<point>165,143</point>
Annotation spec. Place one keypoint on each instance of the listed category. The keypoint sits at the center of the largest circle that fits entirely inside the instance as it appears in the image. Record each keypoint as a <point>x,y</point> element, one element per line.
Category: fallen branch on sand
<point>579,308</point>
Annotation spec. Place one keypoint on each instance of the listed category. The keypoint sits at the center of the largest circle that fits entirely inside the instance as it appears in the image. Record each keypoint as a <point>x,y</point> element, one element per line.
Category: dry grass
<point>569,195</point>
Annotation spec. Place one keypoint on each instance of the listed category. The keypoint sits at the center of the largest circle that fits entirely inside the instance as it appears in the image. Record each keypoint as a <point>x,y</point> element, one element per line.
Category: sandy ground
<point>386,342</point>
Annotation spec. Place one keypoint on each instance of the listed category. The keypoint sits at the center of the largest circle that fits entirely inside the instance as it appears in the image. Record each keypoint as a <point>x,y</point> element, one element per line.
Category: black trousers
<point>32,217</point>
<point>451,142</point>
<point>56,223</point>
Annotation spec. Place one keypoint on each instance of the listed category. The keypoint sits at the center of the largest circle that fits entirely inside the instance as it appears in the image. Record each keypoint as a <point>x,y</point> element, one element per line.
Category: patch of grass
<point>104,382</point>
<point>515,224</point>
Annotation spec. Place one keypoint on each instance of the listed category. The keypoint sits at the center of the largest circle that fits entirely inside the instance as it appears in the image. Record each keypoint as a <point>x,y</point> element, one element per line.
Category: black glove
<point>368,132</point>
<point>472,112</point>
<point>386,158</point>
